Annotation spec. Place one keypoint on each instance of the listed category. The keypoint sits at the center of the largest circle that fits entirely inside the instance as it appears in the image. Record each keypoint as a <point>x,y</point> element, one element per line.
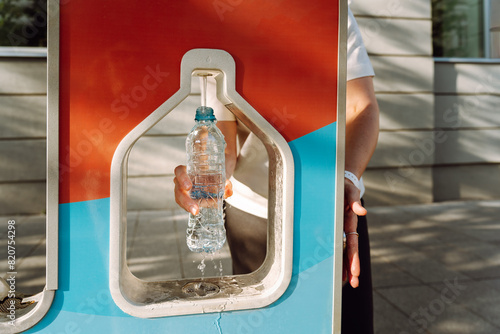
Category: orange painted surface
<point>120,60</point>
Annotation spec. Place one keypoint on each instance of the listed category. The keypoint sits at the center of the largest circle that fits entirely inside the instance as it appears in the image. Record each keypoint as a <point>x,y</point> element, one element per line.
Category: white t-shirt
<point>250,178</point>
<point>358,63</point>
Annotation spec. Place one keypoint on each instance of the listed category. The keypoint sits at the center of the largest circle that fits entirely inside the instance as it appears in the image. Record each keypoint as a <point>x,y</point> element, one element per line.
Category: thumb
<point>358,209</point>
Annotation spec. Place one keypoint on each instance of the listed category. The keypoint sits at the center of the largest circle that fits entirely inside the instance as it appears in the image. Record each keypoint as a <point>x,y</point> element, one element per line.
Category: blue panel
<point>315,155</point>
<point>306,307</point>
<point>83,303</point>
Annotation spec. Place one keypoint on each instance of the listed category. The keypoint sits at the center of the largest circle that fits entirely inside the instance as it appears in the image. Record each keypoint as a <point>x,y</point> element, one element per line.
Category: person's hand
<point>183,185</point>
<point>353,209</point>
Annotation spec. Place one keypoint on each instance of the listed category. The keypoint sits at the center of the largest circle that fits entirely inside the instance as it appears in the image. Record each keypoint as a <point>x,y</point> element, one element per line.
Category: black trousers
<point>357,304</point>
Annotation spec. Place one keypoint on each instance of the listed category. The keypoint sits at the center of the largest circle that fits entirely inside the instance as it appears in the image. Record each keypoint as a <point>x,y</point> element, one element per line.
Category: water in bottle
<point>206,168</point>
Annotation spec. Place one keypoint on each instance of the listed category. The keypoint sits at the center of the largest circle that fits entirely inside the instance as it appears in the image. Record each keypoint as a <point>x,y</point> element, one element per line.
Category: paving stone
<point>154,254</point>
<point>388,319</point>
<point>431,244</point>
<point>479,297</point>
<point>427,309</point>
<point>473,259</point>
<point>385,274</point>
<point>416,263</point>
<point>455,319</point>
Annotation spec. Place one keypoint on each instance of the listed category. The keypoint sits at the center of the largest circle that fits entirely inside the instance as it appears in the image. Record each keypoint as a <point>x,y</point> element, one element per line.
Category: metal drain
<point>200,289</point>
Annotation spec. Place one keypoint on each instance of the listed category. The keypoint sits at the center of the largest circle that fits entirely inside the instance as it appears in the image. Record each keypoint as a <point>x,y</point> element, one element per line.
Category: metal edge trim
<point>452,60</point>
<point>52,234</point>
<point>42,307</point>
<point>339,168</point>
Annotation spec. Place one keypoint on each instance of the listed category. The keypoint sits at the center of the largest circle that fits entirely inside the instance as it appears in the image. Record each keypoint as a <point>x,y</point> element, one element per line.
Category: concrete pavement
<point>436,268</point>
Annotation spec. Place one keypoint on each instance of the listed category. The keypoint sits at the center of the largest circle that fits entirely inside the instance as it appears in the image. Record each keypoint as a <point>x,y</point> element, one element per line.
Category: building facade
<point>440,120</point>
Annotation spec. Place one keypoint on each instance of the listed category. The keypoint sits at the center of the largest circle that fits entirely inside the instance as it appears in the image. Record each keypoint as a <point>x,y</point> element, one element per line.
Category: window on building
<point>23,23</point>
<point>466,28</point>
<point>495,28</point>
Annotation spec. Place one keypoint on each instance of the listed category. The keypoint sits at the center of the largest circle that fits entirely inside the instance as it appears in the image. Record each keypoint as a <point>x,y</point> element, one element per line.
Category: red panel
<point>121,59</point>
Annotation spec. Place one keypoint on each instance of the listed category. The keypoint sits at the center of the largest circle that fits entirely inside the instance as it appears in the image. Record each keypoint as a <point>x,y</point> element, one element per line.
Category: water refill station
<point>119,69</point>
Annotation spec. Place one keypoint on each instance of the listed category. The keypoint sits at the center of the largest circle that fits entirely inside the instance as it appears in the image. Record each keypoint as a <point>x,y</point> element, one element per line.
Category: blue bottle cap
<point>204,114</point>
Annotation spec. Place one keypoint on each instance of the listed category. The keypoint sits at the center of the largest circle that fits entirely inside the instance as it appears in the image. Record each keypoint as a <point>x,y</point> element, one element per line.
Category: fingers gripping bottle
<point>206,167</point>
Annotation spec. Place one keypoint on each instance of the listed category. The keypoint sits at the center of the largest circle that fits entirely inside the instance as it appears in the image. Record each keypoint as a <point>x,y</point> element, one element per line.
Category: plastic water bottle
<point>206,168</point>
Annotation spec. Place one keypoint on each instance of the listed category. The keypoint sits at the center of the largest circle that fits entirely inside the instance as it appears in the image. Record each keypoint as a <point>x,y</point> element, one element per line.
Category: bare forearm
<point>362,124</point>
<point>361,140</point>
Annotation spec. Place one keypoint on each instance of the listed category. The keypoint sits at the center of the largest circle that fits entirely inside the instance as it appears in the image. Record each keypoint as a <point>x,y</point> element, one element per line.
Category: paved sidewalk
<point>436,268</point>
